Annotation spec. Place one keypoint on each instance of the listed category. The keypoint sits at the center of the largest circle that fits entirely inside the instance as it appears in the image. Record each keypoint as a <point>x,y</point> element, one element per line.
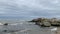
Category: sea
<point>23,27</point>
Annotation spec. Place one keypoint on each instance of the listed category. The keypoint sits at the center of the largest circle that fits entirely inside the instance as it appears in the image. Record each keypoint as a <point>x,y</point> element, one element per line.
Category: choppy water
<point>24,28</point>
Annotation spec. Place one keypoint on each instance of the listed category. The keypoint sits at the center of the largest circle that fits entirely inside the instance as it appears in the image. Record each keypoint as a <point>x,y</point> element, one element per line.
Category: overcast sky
<point>30,8</point>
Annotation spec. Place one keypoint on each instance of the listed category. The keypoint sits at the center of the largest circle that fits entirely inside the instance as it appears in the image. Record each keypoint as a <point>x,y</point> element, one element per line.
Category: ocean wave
<point>16,24</point>
<point>1,24</point>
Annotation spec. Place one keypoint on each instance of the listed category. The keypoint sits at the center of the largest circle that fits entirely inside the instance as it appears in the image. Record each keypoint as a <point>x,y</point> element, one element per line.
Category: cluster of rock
<point>46,22</point>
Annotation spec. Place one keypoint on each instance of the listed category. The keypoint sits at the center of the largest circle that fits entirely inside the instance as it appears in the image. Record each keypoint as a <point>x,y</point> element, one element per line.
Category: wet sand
<point>58,30</point>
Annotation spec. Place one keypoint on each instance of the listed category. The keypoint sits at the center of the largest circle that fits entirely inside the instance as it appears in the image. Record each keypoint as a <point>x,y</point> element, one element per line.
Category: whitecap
<point>1,24</point>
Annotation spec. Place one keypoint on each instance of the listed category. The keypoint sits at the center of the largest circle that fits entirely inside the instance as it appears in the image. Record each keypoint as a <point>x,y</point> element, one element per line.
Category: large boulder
<point>34,20</point>
<point>46,24</point>
<point>6,24</point>
<point>55,24</point>
<point>39,20</point>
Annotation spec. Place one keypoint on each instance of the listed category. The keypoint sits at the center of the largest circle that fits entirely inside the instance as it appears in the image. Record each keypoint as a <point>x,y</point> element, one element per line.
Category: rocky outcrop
<point>46,22</point>
<point>6,24</point>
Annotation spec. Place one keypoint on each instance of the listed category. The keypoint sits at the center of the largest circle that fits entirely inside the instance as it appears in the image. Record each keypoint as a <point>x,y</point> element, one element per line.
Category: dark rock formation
<point>4,30</point>
<point>46,22</point>
<point>6,24</point>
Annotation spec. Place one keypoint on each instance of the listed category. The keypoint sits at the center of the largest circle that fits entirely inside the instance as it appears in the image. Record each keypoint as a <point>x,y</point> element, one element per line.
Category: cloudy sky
<point>29,8</point>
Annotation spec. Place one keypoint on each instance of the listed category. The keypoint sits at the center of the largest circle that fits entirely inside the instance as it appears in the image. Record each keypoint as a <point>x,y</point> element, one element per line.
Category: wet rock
<point>55,24</point>
<point>46,22</point>
<point>4,30</point>
<point>6,24</point>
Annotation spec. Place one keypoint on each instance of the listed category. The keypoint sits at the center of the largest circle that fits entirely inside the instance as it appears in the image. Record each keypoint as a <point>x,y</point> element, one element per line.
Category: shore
<point>58,30</point>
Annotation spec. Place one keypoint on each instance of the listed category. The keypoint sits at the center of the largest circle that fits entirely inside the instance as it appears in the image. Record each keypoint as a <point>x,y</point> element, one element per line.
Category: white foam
<point>16,24</point>
<point>54,29</point>
<point>1,24</point>
<point>24,30</point>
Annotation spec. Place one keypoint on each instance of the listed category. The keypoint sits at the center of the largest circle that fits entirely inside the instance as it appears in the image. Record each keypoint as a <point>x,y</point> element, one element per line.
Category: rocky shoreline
<point>46,22</point>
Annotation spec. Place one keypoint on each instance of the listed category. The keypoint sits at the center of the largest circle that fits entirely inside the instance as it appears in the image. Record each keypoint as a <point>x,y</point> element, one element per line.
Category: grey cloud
<point>29,8</point>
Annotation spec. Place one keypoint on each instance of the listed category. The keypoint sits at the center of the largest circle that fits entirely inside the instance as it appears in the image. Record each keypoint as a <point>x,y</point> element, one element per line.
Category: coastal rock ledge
<point>46,22</point>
